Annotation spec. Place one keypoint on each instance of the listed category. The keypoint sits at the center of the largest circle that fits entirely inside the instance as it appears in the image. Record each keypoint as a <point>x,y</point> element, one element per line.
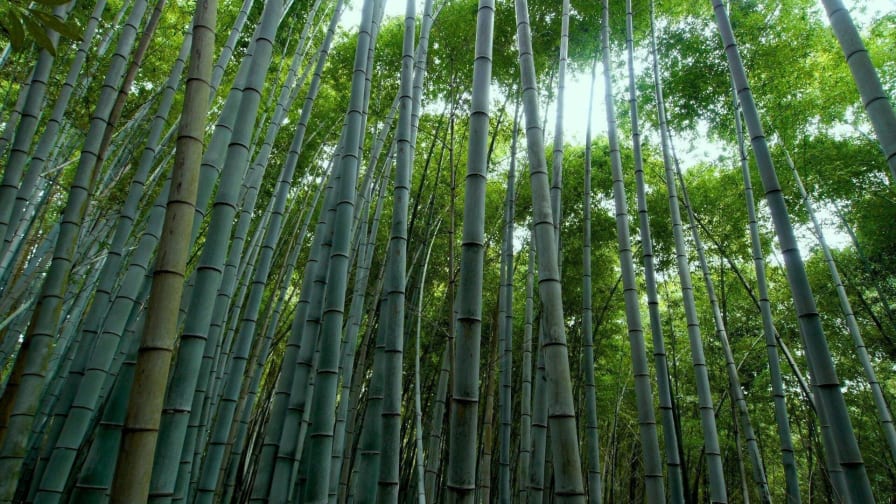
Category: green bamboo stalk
<point>214,351</point>
<point>505,323</point>
<point>393,312</point>
<point>653,466</point>
<point>215,155</point>
<point>307,323</point>
<point>568,484</point>
<point>147,31</point>
<point>297,419</point>
<point>368,443</point>
<point>670,436</point>
<point>525,449</point>
<point>88,394</point>
<point>213,373</point>
<point>101,364</point>
<point>484,481</point>
<point>712,450</point>
<point>419,71</point>
<point>12,121</point>
<point>418,410</point>
<point>237,441</point>
<point>323,401</point>
<point>877,393</point>
<point>735,389</point>
<point>595,490</point>
<point>209,274</point>
<point>221,430</point>
<point>63,357</point>
<point>48,139</point>
<point>298,342</point>
<point>874,99</point>
<point>537,469</point>
<point>154,357</point>
<point>234,266</point>
<point>22,393</point>
<point>557,158</point>
<point>369,446</point>
<point>353,326</point>
<point>107,38</point>
<point>461,470</point>
<point>791,476</point>
<point>883,299</point>
<point>829,395</point>
<point>27,124</point>
<point>227,49</point>
<point>96,473</point>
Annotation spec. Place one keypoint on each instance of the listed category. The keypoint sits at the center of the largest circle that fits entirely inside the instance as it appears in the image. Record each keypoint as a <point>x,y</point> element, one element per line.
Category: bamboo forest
<point>528,251</point>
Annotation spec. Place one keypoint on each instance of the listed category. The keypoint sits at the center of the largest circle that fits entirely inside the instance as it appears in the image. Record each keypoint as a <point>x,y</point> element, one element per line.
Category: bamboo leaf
<point>12,24</point>
<point>66,29</point>
<point>40,35</point>
<point>52,3</point>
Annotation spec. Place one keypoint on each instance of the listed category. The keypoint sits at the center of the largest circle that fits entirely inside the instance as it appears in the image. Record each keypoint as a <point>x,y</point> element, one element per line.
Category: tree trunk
<point>461,470</point>
<point>717,488</point>
<point>830,397</point>
<point>874,98</point>
<point>153,361</point>
<point>569,486</point>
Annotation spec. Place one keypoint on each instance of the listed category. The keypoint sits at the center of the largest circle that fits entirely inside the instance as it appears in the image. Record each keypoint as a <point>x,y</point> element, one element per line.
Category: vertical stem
<point>874,98</point>
<point>593,447</point>
<point>791,476</point>
<point>569,486</point>
<point>717,490</point>
<point>461,477</point>
<point>154,358</point>
<point>830,397</point>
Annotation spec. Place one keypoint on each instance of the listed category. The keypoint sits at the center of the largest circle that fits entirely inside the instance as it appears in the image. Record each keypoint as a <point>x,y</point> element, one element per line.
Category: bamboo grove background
<point>260,252</point>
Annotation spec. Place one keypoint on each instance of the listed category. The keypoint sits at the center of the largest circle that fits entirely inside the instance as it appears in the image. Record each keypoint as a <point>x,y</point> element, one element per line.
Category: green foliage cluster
<point>19,21</point>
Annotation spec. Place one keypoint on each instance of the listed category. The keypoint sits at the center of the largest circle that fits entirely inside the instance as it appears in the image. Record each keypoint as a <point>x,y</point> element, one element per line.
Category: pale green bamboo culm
<point>880,402</point>
<point>505,323</point>
<point>525,450</point>
<point>663,385</point>
<point>557,153</point>
<point>233,382</point>
<point>592,446</point>
<point>323,400</point>
<point>108,314</point>
<point>462,436</point>
<point>47,140</point>
<point>154,359</point>
<point>418,410</point>
<point>22,394</point>
<point>734,384</point>
<point>653,464</point>
<point>791,476</point>
<point>189,377</point>
<point>395,286</point>
<point>875,100</point>
<point>568,483</point>
<point>829,396</point>
<point>27,126</point>
<point>717,489</point>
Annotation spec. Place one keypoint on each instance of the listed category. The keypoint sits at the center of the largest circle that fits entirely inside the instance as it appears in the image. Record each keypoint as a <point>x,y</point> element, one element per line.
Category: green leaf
<point>12,24</point>
<point>52,3</point>
<point>67,29</point>
<point>40,35</point>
